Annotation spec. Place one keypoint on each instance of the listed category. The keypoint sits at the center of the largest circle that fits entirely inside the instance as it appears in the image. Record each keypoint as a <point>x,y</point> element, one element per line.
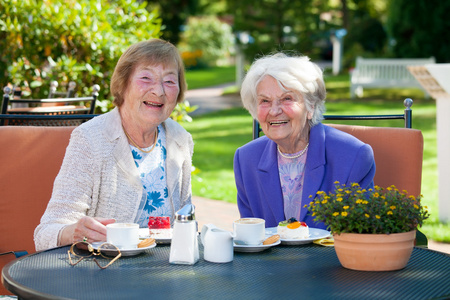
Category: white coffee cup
<point>249,231</point>
<point>123,235</point>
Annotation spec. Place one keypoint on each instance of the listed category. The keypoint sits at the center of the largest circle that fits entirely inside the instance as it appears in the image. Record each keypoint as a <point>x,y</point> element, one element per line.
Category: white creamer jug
<point>184,245</point>
<point>218,244</point>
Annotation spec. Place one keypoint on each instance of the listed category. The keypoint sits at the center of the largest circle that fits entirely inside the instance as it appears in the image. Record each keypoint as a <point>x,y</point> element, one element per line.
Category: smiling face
<point>282,115</point>
<point>151,95</point>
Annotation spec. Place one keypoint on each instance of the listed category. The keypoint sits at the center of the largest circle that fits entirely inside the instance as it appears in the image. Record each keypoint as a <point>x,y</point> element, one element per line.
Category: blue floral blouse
<point>152,171</point>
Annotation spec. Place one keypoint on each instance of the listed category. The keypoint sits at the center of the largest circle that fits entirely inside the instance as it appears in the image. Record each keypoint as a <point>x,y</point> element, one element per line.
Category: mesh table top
<point>305,271</point>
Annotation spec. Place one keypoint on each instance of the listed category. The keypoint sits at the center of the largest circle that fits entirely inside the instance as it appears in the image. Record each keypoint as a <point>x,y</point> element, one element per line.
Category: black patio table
<point>290,272</point>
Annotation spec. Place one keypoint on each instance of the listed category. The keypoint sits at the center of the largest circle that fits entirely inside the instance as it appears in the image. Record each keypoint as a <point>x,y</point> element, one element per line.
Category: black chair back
<point>57,115</point>
<point>407,116</point>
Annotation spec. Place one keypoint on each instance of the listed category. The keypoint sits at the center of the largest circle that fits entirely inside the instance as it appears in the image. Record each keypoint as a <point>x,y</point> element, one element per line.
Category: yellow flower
<point>376,195</point>
<point>392,207</point>
<point>367,215</point>
<point>354,184</point>
<point>346,207</point>
<point>389,212</point>
<point>416,206</point>
<point>336,182</point>
<point>340,190</point>
<point>348,192</point>
<point>359,201</point>
<point>335,214</point>
<point>339,199</point>
<point>324,201</point>
<point>344,213</point>
<point>365,202</point>
<point>377,216</point>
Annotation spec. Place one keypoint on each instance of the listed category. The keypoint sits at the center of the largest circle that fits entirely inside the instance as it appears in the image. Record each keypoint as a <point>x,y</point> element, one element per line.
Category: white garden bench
<point>385,73</point>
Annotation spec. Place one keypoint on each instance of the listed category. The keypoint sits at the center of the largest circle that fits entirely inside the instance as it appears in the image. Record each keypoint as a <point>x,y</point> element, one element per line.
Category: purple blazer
<point>332,155</point>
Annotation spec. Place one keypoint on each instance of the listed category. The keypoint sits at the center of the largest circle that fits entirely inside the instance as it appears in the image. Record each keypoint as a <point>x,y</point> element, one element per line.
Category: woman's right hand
<point>87,228</point>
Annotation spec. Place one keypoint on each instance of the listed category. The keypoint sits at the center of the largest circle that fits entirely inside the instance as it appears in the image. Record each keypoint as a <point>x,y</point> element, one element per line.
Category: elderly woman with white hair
<point>298,155</point>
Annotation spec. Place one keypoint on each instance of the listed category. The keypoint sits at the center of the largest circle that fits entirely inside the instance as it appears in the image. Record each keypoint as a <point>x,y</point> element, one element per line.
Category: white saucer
<point>125,252</point>
<point>314,234</point>
<point>164,237</point>
<point>254,248</point>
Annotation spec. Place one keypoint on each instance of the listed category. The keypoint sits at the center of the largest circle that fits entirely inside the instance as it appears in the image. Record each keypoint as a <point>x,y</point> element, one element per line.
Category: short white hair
<point>295,73</point>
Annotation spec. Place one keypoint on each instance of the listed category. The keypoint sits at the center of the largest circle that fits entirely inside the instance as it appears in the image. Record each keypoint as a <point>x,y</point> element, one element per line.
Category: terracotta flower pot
<point>374,252</point>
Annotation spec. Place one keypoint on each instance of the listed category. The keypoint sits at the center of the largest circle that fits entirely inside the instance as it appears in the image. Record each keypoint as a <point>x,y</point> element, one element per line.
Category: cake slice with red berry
<point>158,225</point>
<point>292,229</point>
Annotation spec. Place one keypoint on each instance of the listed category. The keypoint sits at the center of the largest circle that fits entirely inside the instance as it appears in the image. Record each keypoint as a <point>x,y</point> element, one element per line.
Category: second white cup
<point>249,231</point>
<point>123,235</point>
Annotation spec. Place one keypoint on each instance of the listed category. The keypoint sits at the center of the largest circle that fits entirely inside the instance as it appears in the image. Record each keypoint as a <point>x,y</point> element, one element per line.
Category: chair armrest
<point>421,240</point>
<point>17,254</point>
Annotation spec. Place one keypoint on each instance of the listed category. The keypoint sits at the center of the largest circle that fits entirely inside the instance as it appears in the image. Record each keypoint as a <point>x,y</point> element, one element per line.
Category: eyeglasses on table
<point>81,250</point>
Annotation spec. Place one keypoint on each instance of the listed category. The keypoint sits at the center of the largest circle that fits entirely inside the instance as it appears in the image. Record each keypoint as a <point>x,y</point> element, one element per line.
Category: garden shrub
<point>69,40</point>
<point>211,37</point>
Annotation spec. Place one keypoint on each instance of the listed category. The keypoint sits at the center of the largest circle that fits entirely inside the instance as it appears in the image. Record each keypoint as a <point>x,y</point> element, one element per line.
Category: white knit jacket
<point>99,178</point>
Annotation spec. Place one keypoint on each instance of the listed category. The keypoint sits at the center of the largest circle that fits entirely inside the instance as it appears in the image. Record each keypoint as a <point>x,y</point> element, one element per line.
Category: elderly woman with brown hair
<point>130,163</point>
<point>276,174</point>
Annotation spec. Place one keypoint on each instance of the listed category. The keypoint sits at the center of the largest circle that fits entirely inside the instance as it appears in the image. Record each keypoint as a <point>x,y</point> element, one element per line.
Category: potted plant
<point>373,230</point>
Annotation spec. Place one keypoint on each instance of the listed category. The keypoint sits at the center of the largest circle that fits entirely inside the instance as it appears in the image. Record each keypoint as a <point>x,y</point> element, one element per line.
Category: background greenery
<point>210,39</point>
<point>375,28</point>
<point>44,40</point>
<point>410,28</point>
<point>69,40</point>
<point>210,77</point>
<point>217,136</point>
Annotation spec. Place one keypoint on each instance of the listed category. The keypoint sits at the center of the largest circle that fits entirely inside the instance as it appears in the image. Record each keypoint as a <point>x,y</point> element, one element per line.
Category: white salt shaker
<point>184,245</point>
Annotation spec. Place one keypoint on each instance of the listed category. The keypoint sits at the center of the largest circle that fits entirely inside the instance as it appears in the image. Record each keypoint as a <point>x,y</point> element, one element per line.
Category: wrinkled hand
<point>94,229</point>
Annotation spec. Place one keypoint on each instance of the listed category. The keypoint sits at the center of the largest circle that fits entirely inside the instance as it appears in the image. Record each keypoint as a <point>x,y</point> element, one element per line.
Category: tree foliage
<point>69,40</point>
<point>278,25</point>
<point>174,14</point>
<point>420,29</point>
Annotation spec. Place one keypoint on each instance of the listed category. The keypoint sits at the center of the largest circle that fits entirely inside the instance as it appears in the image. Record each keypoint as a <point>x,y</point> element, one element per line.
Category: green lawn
<point>209,77</point>
<point>217,135</point>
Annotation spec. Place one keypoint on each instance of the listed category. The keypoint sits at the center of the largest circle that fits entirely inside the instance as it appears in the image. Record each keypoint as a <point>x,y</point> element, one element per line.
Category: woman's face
<point>151,94</point>
<point>282,114</point>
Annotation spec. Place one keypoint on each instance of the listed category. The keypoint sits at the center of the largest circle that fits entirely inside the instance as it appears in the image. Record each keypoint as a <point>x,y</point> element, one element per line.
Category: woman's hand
<point>87,228</point>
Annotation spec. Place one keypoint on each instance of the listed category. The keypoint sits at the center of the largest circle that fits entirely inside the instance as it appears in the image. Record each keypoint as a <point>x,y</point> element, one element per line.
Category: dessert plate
<point>254,248</point>
<point>163,237</point>
<point>125,252</point>
<point>314,234</point>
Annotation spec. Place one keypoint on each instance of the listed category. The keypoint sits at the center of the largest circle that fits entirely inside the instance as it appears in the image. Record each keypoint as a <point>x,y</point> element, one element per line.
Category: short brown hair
<point>153,52</point>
